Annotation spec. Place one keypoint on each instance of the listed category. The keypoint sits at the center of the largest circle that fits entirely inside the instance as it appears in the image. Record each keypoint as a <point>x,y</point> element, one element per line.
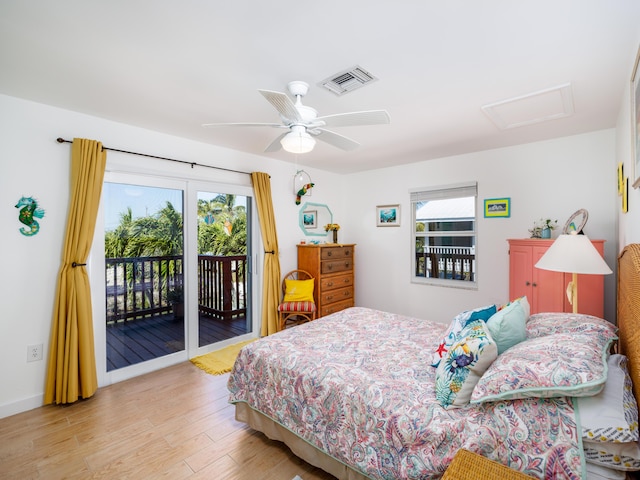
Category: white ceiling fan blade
<point>285,106</point>
<point>351,119</point>
<point>275,145</point>
<point>335,139</point>
<point>244,124</point>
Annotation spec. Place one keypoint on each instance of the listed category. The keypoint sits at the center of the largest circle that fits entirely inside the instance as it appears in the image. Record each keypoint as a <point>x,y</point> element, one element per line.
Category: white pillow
<point>598,472</point>
<point>612,415</point>
<point>618,456</point>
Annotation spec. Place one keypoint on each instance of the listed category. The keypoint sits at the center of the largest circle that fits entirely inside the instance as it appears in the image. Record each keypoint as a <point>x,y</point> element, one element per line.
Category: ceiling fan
<point>303,124</point>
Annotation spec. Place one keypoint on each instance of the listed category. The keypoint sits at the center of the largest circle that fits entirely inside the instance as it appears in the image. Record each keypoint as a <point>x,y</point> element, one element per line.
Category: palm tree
<point>222,226</point>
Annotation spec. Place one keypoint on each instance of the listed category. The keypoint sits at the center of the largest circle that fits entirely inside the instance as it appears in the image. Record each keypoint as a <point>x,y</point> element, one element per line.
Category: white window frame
<point>443,192</point>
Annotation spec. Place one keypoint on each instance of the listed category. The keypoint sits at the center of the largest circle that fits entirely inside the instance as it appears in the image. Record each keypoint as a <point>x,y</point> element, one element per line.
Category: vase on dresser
<point>335,236</point>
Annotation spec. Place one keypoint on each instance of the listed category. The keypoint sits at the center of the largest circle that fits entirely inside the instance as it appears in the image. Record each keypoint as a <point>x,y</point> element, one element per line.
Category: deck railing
<point>457,263</point>
<point>139,287</point>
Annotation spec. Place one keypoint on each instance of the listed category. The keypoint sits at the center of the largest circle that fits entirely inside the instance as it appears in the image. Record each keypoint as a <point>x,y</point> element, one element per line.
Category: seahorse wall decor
<point>29,211</point>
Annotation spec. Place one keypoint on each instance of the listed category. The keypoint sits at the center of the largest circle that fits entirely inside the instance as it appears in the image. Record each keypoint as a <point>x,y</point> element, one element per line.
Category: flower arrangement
<point>332,227</point>
<point>540,225</point>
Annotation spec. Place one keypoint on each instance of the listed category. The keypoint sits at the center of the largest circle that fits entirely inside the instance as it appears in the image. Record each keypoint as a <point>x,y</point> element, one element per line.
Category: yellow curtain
<point>71,371</point>
<point>271,276</point>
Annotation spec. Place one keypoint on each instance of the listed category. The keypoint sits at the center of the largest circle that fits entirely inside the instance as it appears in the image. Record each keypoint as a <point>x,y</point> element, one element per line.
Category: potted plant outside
<point>175,298</point>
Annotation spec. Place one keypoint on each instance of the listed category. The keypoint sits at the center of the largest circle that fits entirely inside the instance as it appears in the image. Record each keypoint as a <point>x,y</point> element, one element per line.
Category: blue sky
<point>143,201</point>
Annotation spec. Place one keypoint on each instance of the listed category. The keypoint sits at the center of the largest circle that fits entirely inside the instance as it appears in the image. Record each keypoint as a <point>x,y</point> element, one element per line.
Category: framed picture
<point>388,215</point>
<point>497,207</point>
<point>635,116</point>
<point>310,219</point>
<point>625,195</point>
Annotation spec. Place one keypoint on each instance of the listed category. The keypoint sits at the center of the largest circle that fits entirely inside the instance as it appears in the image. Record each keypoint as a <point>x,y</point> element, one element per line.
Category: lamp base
<point>572,292</point>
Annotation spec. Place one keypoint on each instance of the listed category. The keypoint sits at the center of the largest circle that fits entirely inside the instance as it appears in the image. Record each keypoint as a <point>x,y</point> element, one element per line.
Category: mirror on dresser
<point>313,217</point>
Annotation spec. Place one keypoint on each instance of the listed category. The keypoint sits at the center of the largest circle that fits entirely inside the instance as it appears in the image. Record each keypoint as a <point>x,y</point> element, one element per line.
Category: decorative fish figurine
<point>29,211</point>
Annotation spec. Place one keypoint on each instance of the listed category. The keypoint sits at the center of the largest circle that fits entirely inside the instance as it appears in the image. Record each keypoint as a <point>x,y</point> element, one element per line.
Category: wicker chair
<point>297,311</point>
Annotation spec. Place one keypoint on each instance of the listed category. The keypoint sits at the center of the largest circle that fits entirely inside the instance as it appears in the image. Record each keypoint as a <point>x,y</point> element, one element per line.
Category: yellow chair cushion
<point>298,290</point>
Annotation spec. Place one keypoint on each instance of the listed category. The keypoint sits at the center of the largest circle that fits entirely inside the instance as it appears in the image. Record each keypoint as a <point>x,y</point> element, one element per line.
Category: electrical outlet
<point>34,353</point>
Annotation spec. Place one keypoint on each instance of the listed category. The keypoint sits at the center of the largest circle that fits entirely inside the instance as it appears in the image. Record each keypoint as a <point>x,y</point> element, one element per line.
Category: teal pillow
<point>508,326</point>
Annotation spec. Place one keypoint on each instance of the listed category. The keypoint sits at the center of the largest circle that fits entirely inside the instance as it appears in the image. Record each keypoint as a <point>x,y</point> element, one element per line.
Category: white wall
<point>628,223</point>
<point>545,179</point>
<point>552,178</point>
<point>32,163</point>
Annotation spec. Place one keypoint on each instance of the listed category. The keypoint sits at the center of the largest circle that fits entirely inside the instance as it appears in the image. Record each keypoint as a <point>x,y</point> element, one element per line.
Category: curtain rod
<point>193,164</point>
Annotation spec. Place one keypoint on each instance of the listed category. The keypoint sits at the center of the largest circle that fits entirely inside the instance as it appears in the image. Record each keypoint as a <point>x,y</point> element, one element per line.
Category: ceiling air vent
<point>348,80</point>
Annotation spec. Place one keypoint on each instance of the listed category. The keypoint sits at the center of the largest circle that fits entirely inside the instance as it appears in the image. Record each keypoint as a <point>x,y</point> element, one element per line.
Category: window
<point>444,235</point>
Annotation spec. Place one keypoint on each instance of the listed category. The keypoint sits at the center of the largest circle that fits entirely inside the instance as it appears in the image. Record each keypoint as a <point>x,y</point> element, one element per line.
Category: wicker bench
<point>467,465</point>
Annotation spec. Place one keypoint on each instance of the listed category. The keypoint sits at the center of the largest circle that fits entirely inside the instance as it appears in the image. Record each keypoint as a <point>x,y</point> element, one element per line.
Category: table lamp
<point>573,253</point>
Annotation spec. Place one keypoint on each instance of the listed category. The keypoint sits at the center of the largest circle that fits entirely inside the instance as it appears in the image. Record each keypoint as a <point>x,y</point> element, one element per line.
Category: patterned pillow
<point>456,326</point>
<point>465,362</point>
<point>507,326</point>
<point>618,456</point>
<point>612,415</point>
<point>557,365</point>
<point>541,324</point>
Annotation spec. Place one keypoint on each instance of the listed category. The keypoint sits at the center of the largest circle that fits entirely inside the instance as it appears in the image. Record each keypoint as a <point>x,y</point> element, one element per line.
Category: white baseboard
<point>20,406</point>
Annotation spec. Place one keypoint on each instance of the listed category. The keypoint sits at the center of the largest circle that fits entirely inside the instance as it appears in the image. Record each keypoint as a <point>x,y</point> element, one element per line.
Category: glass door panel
<point>223,275</point>
<point>144,273</point>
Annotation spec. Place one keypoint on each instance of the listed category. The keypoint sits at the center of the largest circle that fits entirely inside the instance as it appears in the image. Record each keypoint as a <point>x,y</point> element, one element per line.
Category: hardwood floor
<point>175,423</point>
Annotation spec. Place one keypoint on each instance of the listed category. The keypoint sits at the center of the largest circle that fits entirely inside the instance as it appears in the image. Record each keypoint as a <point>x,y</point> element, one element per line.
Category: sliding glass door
<point>144,272</point>
<point>176,270</point>
<point>223,261</point>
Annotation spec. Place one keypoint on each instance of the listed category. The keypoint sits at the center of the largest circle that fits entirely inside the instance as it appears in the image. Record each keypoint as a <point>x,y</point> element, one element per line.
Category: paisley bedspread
<point>358,385</point>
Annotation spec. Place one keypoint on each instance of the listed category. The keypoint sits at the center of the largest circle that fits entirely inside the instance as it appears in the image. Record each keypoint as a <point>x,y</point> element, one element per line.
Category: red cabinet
<point>546,290</point>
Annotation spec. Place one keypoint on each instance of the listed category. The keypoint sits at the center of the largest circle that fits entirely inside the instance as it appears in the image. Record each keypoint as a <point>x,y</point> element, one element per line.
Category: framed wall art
<point>310,219</point>
<point>388,215</point>
<point>497,207</point>
<point>635,120</point>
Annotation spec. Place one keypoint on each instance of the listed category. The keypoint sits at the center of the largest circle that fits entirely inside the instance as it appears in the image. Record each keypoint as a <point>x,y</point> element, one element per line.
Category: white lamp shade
<point>298,140</point>
<point>573,254</point>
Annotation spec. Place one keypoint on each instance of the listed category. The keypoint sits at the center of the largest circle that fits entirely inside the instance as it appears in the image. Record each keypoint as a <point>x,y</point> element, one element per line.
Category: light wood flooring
<point>175,423</point>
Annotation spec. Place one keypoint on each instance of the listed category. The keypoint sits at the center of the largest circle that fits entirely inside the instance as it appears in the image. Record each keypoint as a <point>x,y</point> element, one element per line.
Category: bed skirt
<point>302,449</point>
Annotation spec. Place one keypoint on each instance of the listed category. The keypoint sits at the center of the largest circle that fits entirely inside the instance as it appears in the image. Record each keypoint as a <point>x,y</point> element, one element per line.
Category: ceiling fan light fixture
<point>298,140</point>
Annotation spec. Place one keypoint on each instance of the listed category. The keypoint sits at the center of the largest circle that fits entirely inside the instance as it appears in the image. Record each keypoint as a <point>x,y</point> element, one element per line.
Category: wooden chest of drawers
<point>332,267</point>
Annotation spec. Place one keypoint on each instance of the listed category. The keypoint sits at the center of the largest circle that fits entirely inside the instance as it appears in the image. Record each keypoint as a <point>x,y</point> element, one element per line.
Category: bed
<point>356,393</point>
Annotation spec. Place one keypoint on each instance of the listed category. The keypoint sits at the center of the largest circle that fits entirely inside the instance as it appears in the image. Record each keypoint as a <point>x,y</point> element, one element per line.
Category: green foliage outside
<point>222,230</point>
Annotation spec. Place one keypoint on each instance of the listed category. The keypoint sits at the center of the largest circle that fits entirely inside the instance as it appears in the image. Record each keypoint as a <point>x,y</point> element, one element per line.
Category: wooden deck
<point>136,341</point>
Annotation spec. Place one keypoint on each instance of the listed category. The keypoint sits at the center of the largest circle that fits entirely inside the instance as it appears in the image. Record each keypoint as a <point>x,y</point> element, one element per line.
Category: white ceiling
<point>171,66</point>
